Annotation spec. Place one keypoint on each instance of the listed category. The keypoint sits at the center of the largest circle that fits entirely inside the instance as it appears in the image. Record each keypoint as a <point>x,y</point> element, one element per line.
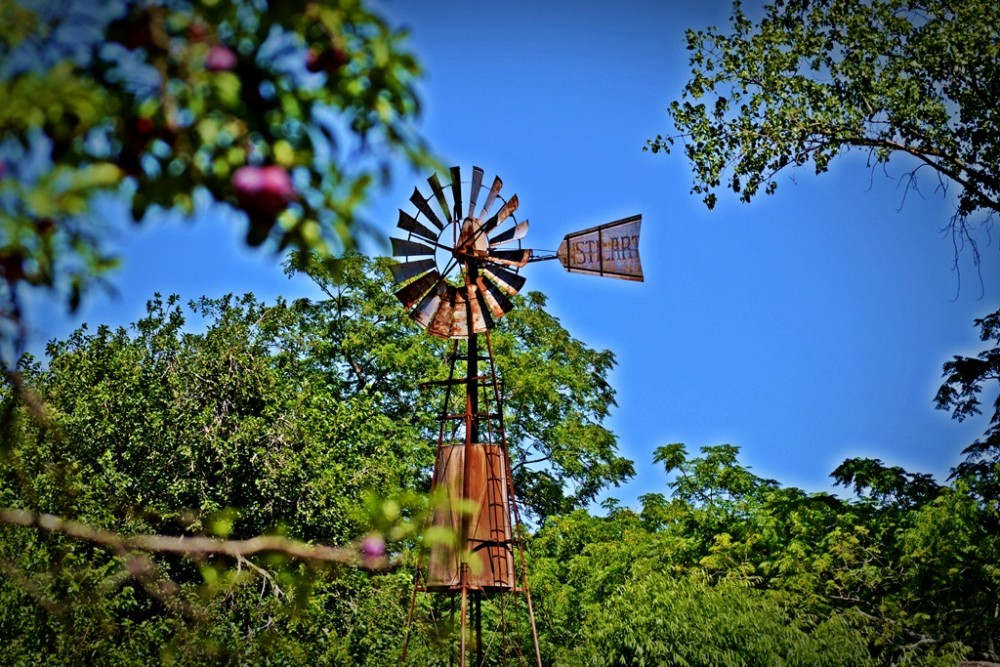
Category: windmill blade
<point>484,319</point>
<point>408,223</point>
<point>516,258</point>
<point>411,293</point>
<point>456,193</point>
<point>430,305</point>
<point>440,322</point>
<point>491,197</point>
<point>477,182</point>
<point>418,200</point>
<point>460,316</point>
<point>515,233</point>
<point>453,311</point>
<point>497,302</point>
<point>403,271</point>
<point>403,248</point>
<point>477,317</point>
<point>505,211</point>
<point>439,195</point>
<point>508,281</point>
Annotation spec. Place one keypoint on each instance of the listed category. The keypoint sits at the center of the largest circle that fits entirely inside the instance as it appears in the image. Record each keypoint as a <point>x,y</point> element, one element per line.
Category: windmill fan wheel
<point>459,268</point>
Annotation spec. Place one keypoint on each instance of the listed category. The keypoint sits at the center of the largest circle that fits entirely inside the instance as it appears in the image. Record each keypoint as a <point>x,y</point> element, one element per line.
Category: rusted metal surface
<point>480,320</point>
<point>498,218</point>
<point>515,233</point>
<point>489,540</point>
<point>508,281</point>
<point>440,319</point>
<point>442,201</point>
<point>412,292</point>
<point>496,300</point>
<point>491,197</point>
<point>610,250</point>
<point>516,258</point>
<point>472,238</point>
<point>477,182</point>
<point>441,303</point>
<point>456,193</point>
<point>425,311</point>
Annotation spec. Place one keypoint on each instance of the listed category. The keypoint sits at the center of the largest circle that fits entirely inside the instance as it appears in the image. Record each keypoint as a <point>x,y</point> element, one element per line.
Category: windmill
<point>460,264</point>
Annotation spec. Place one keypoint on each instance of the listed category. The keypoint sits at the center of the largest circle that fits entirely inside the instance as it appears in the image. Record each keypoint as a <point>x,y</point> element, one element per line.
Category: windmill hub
<point>472,243</point>
<point>441,242</point>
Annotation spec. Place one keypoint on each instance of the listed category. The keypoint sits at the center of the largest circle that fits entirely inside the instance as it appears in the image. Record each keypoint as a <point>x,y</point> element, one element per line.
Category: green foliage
<point>162,102</point>
<point>232,418</point>
<point>700,624</point>
<point>812,79</point>
<point>158,430</point>
<point>960,393</point>
<point>886,485</point>
<point>557,396</point>
<point>555,389</point>
<point>732,569</point>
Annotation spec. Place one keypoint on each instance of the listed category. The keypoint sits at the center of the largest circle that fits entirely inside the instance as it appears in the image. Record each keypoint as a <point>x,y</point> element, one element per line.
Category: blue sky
<point>805,327</point>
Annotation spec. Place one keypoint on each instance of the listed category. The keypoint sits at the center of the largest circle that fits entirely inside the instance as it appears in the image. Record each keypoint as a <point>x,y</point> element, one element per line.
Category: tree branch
<point>189,545</point>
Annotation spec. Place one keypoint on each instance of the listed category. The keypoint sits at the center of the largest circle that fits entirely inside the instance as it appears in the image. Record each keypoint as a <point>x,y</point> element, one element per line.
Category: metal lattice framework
<point>459,267</point>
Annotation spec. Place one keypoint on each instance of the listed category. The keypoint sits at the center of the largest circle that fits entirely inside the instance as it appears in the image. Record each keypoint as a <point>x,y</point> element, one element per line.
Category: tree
<point>732,569</point>
<point>269,424</point>
<point>189,437</point>
<point>288,111</point>
<point>691,622</point>
<point>555,388</point>
<point>812,79</point>
<point>692,579</point>
<point>960,393</point>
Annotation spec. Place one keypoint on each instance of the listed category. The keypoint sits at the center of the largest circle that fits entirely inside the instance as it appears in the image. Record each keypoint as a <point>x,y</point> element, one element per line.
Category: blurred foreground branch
<point>190,546</point>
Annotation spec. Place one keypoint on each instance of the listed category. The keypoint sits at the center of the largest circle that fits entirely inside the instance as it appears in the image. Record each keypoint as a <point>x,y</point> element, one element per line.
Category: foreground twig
<point>190,545</point>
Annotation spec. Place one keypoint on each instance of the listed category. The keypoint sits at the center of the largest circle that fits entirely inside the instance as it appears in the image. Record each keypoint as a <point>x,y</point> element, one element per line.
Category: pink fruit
<point>144,125</point>
<point>220,59</point>
<point>373,546</point>
<point>264,190</point>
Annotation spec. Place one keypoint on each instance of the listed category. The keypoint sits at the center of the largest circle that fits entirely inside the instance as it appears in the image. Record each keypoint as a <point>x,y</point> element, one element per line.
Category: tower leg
<point>461,636</point>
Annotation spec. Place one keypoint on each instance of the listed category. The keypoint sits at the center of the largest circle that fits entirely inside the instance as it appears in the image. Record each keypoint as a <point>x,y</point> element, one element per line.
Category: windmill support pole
<point>471,438</point>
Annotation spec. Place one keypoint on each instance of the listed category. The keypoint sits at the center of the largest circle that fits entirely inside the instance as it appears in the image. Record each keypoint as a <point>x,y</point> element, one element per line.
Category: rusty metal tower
<point>459,268</point>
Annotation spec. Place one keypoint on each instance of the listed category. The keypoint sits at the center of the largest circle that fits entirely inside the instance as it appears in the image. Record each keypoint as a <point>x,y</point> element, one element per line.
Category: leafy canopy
<point>812,79</point>
<point>966,378</point>
<point>237,419</point>
<point>288,110</point>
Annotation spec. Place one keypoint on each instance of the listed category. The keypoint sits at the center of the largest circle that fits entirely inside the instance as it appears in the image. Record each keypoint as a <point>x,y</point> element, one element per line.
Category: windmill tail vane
<point>460,264</point>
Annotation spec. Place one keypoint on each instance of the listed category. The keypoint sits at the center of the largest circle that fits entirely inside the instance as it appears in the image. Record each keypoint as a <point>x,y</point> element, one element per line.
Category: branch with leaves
<point>810,80</point>
<point>289,112</point>
<point>192,546</point>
